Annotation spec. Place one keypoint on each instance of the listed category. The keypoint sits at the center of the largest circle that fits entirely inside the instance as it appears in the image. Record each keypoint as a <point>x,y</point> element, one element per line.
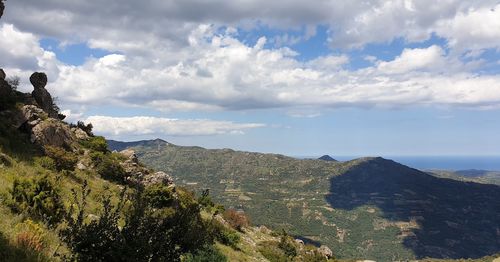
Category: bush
<point>97,143</point>
<point>205,199</point>
<point>143,233</point>
<point>237,219</point>
<point>207,254</point>
<point>45,162</point>
<point>63,159</point>
<point>39,198</point>
<point>158,196</point>
<point>31,236</point>
<point>287,245</point>
<point>228,237</point>
<point>271,251</point>
<point>108,167</point>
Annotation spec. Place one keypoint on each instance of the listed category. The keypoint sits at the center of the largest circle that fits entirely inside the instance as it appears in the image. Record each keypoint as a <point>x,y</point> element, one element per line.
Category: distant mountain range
<point>370,208</point>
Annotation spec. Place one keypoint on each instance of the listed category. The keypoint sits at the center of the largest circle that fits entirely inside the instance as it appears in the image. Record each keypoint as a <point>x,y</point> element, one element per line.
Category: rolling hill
<point>369,208</point>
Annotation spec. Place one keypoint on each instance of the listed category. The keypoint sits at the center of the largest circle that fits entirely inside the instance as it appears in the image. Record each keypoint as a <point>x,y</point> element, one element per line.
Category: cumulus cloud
<point>185,55</point>
<point>143,125</point>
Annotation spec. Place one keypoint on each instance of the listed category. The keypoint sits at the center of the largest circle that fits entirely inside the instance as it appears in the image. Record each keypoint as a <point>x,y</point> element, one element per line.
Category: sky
<point>301,78</point>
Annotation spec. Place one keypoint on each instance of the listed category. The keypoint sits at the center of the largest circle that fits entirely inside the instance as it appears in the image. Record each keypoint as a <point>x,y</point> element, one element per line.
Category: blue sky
<point>339,78</point>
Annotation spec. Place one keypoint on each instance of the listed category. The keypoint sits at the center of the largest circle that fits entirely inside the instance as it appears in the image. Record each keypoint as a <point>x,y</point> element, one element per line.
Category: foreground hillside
<point>368,208</point>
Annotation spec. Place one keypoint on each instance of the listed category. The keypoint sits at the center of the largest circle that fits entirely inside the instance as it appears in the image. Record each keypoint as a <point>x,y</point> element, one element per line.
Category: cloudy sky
<point>297,77</point>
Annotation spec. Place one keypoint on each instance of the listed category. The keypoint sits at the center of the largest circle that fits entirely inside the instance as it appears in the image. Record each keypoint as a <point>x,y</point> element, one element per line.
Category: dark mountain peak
<point>327,158</point>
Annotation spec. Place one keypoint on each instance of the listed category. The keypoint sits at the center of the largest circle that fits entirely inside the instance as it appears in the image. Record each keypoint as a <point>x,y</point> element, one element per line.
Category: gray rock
<point>38,80</point>
<point>41,95</point>
<point>325,251</point>
<point>52,132</point>
<point>157,178</point>
<point>130,155</point>
<point>79,133</point>
<point>2,74</point>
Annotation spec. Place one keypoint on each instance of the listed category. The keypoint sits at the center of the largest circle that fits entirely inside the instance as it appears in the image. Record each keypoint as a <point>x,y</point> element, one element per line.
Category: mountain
<point>369,208</point>
<point>326,158</point>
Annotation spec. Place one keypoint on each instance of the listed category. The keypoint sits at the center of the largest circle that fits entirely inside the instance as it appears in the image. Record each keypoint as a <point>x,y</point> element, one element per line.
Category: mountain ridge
<point>368,207</point>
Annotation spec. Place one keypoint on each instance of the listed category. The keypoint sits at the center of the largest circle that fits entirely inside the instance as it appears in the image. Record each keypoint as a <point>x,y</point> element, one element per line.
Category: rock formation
<point>41,95</point>
<point>138,174</point>
<point>5,90</point>
<point>325,251</point>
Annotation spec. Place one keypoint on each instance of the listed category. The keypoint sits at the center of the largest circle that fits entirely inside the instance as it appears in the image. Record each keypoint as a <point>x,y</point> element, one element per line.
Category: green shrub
<point>143,232</point>
<point>287,245</point>
<point>229,238</point>
<point>205,199</point>
<point>97,143</point>
<point>39,198</point>
<point>207,254</point>
<point>271,251</point>
<point>63,159</point>
<point>109,168</point>
<point>45,162</point>
<point>158,196</point>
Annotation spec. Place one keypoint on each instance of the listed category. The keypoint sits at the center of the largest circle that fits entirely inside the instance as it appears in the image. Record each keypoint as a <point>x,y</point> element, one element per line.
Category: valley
<point>369,208</point>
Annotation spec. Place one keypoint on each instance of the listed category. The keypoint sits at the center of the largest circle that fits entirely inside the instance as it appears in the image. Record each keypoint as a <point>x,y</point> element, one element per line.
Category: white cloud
<point>415,59</point>
<point>219,72</point>
<point>143,125</point>
<point>472,29</point>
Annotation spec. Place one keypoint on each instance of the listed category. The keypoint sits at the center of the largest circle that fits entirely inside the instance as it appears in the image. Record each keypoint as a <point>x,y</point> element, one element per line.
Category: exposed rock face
<point>30,116</point>
<point>79,133</point>
<point>325,251</point>
<point>5,89</point>
<point>157,178</point>
<point>138,174</point>
<point>41,95</point>
<point>52,132</point>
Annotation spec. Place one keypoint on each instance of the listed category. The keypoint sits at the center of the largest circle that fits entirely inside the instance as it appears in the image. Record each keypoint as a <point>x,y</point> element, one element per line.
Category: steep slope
<point>368,208</point>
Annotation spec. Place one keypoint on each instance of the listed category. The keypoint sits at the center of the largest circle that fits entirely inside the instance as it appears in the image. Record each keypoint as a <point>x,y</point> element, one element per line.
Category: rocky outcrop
<point>138,174</point>
<point>325,251</point>
<point>41,95</point>
<point>52,132</point>
<point>157,178</point>
<point>79,133</point>
<point>5,90</point>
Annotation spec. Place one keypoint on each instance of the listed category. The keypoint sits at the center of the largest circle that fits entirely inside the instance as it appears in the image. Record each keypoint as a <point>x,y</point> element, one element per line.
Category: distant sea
<point>490,163</point>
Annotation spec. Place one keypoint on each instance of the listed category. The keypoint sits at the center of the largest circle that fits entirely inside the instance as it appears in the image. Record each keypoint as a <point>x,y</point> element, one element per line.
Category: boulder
<point>41,95</point>
<point>5,88</point>
<point>30,116</point>
<point>52,132</point>
<point>157,178</point>
<point>325,251</point>
<point>79,133</point>
<point>130,155</point>
<point>38,80</point>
